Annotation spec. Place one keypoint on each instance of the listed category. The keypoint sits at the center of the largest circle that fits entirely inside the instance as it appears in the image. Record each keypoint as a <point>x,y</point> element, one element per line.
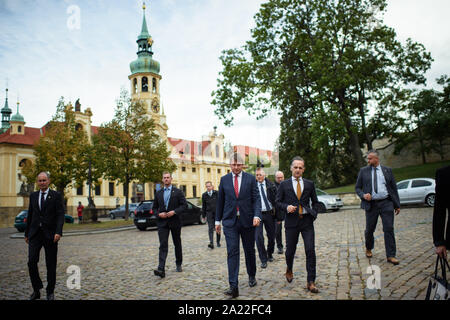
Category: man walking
<point>279,176</point>
<point>44,229</point>
<point>168,205</point>
<point>377,189</point>
<point>239,209</point>
<point>294,197</point>
<point>268,193</point>
<point>209,199</point>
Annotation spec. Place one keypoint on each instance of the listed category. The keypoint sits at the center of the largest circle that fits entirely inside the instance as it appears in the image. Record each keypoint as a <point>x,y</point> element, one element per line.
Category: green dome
<point>17,117</point>
<point>144,64</point>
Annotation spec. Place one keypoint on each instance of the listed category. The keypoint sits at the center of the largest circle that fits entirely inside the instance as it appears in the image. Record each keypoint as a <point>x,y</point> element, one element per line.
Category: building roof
<point>29,138</point>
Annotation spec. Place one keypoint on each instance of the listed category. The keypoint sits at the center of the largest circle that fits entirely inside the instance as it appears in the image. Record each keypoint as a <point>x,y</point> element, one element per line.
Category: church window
<point>19,129</point>
<point>154,85</point>
<point>135,85</point>
<point>144,84</point>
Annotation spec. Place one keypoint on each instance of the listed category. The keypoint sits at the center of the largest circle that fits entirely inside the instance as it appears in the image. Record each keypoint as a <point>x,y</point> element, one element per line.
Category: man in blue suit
<point>294,198</point>
<point>239,209</point>
<point>377,189</point>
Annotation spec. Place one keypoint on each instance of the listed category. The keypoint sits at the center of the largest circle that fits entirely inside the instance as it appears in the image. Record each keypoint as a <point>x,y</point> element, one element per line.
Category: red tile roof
<point>30,137</point>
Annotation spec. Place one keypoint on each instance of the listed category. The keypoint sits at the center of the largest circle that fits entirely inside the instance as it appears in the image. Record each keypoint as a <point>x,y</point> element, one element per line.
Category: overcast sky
<point>44,56</point>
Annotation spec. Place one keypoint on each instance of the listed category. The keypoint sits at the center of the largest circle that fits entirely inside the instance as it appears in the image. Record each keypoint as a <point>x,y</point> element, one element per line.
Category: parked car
<point>328,201</point>
<point>20,222</point>
<point>145,217</point>
<point>417,190</point>
<point>120,211</point>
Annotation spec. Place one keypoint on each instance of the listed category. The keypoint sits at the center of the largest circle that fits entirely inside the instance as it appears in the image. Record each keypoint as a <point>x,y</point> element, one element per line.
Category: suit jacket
<point>286,196</point>
<point>249,201</point>
<point>364,185</point>
<point>51,217</point>
<point>209,202</point>
<point>441,208</point>
<point>272,198</point>
<point>177,203</point>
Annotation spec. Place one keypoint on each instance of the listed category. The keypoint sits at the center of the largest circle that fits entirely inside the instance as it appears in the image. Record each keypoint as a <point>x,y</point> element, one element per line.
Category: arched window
<point>154,85</point>
<point>135,88</point>
<point>19,128</point>
<point>78,126</point>
<point>23,162</point>
<point>144,84</point>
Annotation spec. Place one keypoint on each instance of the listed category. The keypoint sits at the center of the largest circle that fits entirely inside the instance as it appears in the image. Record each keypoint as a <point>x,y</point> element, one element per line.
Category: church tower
<point>6,115</point>
<point>145,79</point>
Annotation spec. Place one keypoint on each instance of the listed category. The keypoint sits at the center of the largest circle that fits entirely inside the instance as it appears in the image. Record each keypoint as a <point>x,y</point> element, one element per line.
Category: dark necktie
<point>266,202</point>
<point>375,180</point>
<point>236,188</point>
<point>42,200</point>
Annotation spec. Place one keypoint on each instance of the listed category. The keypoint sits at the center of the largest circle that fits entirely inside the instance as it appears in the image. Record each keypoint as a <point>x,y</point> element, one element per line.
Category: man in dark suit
<point>239,209</point>
<point>279,177</point>
<point>44,229</point>
<point>169,205</point>
<point>209,199</point>
<point>267,193</point>
<point>294,197</point>
<point>441,238</point>
<point>377,189</point>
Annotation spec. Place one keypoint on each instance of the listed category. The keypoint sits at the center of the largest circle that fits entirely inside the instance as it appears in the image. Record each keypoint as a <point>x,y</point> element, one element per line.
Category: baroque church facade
<point>196,161</point>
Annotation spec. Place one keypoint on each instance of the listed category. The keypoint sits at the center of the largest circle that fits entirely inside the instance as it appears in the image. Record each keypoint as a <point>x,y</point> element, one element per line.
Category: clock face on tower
<point>155,105</point>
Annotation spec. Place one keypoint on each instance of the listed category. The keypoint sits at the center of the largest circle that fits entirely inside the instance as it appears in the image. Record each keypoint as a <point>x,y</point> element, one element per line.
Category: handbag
<point>438,286</point>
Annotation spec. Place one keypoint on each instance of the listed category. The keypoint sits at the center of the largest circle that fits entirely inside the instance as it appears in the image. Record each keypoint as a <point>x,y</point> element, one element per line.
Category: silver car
<point>417,190</point>
<point>328,201</point>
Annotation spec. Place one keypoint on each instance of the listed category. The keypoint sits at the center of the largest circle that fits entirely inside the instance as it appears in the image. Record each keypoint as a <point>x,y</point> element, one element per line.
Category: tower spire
<point>6,114</point>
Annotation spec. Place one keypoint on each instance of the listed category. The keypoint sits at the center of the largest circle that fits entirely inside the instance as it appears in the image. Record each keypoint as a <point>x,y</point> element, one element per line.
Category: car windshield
<point>146,205</point>
<point>321,193</point>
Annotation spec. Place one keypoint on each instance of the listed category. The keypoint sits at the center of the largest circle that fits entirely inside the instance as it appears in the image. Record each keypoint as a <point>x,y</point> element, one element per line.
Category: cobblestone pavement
<point>120,265</point>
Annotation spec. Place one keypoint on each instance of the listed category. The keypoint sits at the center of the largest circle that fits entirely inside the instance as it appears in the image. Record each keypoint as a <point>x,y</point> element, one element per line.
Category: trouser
<point>232,237</point>
<point>278,234</point>
<point>51,250</point>
<point>210,216</point>
<point>267,222</point>
<point>163,234</point>
<point>385,209</point>
<point>306,228</point>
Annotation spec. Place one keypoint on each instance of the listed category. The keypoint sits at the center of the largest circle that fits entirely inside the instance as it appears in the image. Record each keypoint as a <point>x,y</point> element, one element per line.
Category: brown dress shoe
<point>368,253</point>
<point>289,275</point>
<point>312,287</point>
<point>393,260</point>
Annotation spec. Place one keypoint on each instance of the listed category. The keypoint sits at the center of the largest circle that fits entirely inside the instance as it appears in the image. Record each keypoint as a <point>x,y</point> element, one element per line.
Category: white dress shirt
<point>40,195</point>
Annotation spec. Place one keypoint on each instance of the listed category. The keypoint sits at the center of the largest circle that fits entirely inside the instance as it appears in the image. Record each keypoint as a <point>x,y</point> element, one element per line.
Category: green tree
<point>61,150</point>
<point>129,148</point>
<point>312,58</point>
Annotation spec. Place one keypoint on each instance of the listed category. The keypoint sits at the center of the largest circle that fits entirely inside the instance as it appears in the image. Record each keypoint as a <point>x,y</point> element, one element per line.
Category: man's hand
<point>368,197</point>
<point>397,211</point>
<point>291,209</point>
<point>57,237</point>
<point>441,251</point>
<point>218,229</point>
<point>170,214</point>
<point>162,215</point>
<point>26,240</point>
<point>256,222</point>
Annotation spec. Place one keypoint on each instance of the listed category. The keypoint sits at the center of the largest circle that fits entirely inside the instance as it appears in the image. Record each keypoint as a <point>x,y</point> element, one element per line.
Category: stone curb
<point>80,233</point>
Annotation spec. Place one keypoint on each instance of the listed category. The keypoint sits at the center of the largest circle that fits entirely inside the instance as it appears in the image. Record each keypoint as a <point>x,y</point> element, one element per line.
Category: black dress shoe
<point>50,296</point>
<point>211,246</point>
<point>280,250</point>
<point>179,268</point>
<point>218,244</point>
<point>159,273</point>
<point>233,292</point>
<point>264,265</point>
<point>252,282</point>
<point>270,259</point>
<point>35,295</point>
